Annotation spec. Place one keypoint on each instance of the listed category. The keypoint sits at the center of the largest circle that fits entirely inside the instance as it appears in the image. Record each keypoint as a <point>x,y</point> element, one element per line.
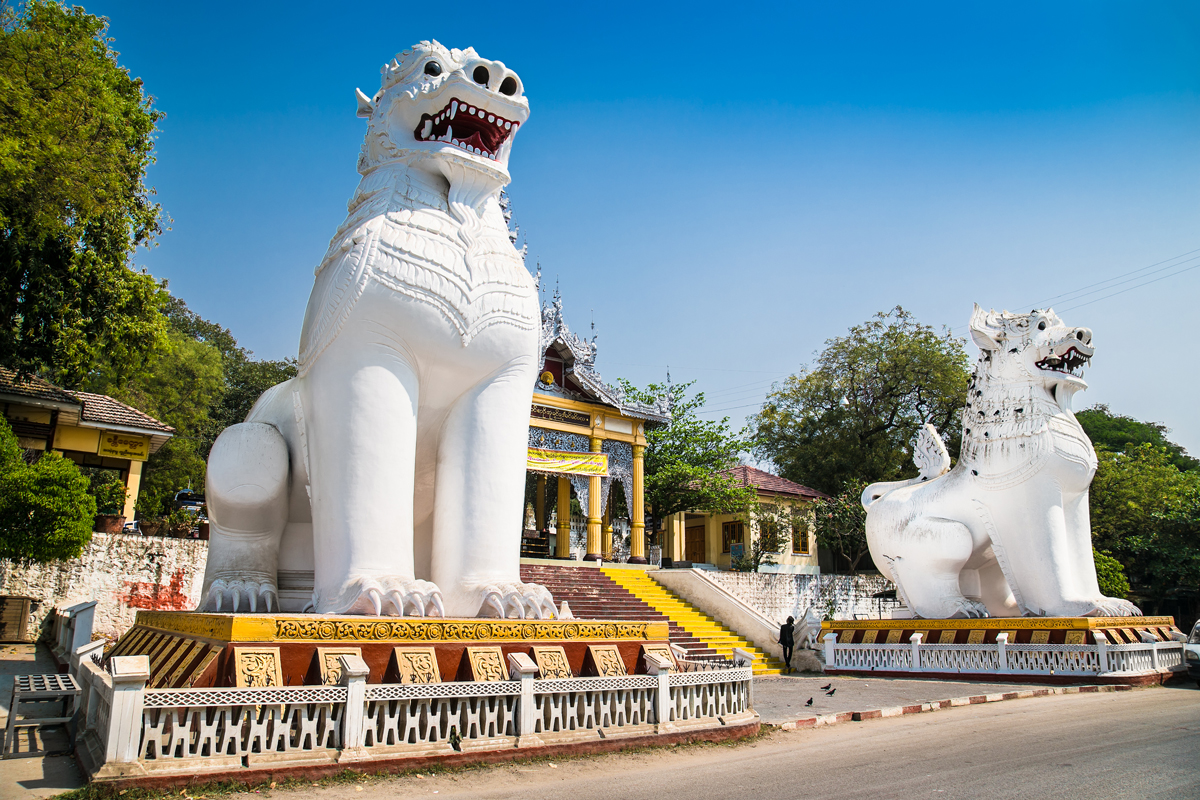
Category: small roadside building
<point>711,540</point>
<point>93,430</point>
<point>585,438</point>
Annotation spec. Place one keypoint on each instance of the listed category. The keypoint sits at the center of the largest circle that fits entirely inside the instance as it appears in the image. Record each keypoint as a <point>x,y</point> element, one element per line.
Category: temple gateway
<point>586,441</point>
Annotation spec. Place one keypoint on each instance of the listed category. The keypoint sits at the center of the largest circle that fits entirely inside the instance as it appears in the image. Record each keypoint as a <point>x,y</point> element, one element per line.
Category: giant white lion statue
<point>1006,532</point>
<point>392,468</point>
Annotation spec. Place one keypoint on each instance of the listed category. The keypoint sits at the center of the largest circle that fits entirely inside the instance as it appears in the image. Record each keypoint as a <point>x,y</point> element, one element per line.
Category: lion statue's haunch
<point>392,468</point>
<point>1006,532</point>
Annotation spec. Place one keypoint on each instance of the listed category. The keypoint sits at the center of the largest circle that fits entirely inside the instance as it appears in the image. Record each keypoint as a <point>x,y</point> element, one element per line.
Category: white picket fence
<point>125,729</point>
<point>1002,658</point>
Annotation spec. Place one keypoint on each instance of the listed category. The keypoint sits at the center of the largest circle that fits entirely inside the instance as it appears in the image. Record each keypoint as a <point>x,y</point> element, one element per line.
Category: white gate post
<point>1002,650</point>
<point>354,678</point>
<point>830,648</point>
<point>660,668</point>
<point>522,668</point>
<point>1101,650</point>
<point>915,641</point>
<point>129,677</point>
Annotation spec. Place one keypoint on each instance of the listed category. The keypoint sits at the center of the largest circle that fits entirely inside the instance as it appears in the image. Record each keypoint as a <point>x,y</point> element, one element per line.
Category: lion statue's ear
<point>985,329</point>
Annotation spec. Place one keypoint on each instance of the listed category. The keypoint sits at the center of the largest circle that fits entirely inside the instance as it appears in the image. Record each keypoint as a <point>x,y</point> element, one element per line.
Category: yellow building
<point>711,539</point>
<point>93,430</point>
<point>585,438</point>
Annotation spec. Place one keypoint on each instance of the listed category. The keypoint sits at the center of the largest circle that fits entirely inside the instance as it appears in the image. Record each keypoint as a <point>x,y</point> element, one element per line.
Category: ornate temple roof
<point>579,368</point>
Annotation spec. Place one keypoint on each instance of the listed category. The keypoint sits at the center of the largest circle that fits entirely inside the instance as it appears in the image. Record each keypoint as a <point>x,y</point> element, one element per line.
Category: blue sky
<point>724,187</point>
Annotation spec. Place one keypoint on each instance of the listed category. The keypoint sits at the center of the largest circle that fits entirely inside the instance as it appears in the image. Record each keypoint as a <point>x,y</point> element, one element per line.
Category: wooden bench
<point>39,689</point>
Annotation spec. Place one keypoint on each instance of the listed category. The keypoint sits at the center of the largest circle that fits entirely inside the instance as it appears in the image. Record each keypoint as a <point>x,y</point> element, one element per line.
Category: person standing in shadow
<point>785,640</point>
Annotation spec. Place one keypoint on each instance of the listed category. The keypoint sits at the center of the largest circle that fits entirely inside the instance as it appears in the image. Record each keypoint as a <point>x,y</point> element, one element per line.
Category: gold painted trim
<point>998,623</point>
<point>314,628</point>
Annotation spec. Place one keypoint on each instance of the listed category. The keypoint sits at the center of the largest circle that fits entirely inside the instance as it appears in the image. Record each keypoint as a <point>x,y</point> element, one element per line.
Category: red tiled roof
<point>104,410</point>
<point>33,387</point>
<point>766,482</point>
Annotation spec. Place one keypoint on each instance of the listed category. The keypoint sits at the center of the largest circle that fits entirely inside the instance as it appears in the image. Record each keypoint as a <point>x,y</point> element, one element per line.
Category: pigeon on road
<point>809,703</point>
<point>830,692</point>
<point>825,688</point>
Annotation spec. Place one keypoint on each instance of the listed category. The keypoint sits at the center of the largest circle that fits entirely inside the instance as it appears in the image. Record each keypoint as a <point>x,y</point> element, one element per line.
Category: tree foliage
<point>854,415</point>
<point>76,137</point>
<point>770,528</point>
<point>1115,432</point>
<point>1111,575</point>
<point>686,461</point>
<point>840,523</point>
<point>1145,512</point>
<point>199,381</point>
<point>46,511</point>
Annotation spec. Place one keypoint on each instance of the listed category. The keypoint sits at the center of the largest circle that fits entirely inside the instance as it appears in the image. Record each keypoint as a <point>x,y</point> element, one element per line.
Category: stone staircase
<point>616,593</point>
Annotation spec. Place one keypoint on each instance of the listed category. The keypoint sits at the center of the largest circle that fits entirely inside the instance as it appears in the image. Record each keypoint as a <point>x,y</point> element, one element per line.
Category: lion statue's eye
<point>1042,325</point>
<point>433,68</point>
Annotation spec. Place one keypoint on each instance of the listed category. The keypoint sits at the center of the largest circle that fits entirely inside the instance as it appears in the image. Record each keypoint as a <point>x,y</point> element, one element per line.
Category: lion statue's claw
<point>239,593</point>
<point>514,600</point>
<point>387,596</point>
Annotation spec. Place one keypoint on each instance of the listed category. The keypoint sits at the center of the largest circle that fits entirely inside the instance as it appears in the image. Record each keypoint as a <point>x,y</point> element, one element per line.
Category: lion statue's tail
<point>929,455</point>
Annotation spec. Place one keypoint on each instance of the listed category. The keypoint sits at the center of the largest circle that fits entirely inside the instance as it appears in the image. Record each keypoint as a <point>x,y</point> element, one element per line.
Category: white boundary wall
<point>778,596</point>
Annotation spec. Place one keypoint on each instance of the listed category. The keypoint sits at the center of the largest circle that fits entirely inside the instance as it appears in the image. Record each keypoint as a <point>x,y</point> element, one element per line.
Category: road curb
<point>819,720</point>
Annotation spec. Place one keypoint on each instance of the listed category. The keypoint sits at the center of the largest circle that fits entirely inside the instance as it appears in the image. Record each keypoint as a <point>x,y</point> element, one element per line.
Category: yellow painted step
<point>698,624</point>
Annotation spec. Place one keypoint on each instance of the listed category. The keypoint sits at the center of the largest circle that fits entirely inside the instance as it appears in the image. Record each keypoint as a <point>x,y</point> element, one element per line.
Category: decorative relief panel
<point>607,659</point>
<point>552,662</point>
<point>487,664</point>
<point>558,440</point>
<point>1040,637</point>
<point>1075,637</point>
<point>975,637</point>
<point>330,665</point>
<point>662,651</point>
<point>256,666</point>
<point>417,665</point>
<point>947,637</point>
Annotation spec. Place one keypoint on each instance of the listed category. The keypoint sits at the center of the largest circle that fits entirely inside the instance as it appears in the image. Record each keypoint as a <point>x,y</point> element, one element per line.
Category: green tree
<point>840,524</point>
<point>771,527</point>
<point>76,137</point>
<point>854,415</point>
<point>687,460</point>
<point>1115,432</point>
<point>46,512</point>
<point>1145,512</point>
<point>1111,575</point>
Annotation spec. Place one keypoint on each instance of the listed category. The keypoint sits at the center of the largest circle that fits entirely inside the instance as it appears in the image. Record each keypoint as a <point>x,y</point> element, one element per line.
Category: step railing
<point>128,729</point>
<point>1072,660</point>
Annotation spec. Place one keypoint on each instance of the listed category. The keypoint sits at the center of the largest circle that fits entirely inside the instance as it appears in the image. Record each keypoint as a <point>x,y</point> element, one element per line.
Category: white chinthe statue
<point>1006,532</point>
<point>392,468</point>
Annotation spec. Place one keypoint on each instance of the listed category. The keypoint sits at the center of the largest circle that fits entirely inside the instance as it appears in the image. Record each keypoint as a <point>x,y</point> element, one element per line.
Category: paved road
<point>1140,744</point>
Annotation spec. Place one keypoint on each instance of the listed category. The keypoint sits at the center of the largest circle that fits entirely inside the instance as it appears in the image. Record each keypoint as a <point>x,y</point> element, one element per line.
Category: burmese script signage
<point>124,445</point>
<point>567,463</point>
<point>560,415</point>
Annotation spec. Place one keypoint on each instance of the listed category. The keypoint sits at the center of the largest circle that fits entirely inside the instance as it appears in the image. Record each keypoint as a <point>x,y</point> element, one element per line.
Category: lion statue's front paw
<point>234,594</point>
<point>386,595</point>
<point>969,609</point>
<point>1113,607</point>
<point>512,600</point>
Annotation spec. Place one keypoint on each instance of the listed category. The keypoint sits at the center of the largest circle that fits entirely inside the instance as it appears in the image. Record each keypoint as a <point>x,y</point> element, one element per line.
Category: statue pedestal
<point>1132,650</point>
<point>202,650</point>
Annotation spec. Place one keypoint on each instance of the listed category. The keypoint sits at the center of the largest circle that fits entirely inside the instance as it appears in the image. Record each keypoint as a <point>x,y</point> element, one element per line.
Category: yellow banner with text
<point>124,445</point>
<point>567,463</point>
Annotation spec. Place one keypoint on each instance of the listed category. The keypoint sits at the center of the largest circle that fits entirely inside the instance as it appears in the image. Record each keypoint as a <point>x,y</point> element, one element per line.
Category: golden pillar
<point>594,552</point>
<point>607,538</point>
<point>539,503</point>
<point>562,548</point>
<point>637,509</point>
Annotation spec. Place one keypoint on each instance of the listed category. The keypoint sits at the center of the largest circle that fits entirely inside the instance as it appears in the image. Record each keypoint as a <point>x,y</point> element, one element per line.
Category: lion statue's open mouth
<point>1071,362</point>
<point>475,130</point>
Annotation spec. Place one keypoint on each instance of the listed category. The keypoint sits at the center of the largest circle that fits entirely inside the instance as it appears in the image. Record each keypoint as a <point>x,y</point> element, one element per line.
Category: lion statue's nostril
<point>481,75</point>
<point>1084,335</point>
<point>508,86</point>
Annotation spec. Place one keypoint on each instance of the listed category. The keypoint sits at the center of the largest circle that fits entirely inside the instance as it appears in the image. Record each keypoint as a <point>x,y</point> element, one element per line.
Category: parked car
<point>1191,653</point>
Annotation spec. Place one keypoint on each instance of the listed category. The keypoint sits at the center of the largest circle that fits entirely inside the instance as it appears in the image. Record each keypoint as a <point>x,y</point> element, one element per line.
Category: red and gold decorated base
<point>1021,630</point>
<point>199,650</point>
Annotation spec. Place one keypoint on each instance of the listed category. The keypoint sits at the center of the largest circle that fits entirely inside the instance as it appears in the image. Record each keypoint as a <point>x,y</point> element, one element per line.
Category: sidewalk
<point>30,773</point>
<point>782,700</point>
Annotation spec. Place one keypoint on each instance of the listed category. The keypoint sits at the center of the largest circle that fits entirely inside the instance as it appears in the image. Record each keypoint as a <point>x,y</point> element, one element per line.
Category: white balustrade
<point>1003,658</point>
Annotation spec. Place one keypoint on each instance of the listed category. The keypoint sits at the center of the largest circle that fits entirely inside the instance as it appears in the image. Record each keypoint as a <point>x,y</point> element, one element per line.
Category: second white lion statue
<point>391,470</point>
<point>1006,532</point>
